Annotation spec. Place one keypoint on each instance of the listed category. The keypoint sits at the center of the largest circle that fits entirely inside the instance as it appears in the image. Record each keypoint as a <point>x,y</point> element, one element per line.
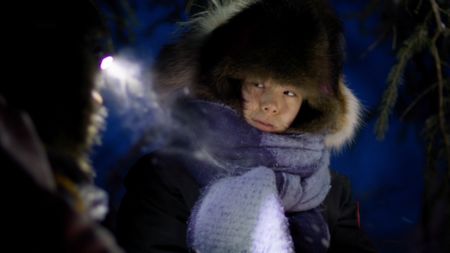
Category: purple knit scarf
<point>260,190</point>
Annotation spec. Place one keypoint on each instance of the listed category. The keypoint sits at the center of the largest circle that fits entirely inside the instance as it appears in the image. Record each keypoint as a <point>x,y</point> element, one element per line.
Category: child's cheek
<point>246,96</point>
<point>248,101</point>
<point>247,109</point>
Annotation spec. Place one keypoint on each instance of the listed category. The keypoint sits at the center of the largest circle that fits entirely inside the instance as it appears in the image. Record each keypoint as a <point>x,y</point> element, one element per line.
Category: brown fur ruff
<point>290,41</point>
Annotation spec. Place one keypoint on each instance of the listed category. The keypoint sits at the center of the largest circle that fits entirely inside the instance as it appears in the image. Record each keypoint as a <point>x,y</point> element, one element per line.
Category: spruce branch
<point>437,60</point>
<point>430,21</point>
<point>414,44</point>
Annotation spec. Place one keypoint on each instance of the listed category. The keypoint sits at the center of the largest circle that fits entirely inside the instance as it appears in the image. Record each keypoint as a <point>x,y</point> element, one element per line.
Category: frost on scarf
<point>241,214</point>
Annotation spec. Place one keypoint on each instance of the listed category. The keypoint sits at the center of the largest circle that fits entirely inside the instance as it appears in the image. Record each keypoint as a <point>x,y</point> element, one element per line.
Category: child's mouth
<point>263,126</point>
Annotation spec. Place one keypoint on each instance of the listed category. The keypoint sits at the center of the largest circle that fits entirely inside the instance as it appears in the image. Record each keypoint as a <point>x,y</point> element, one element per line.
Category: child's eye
<point>258,85</point>
<point>289,93</point>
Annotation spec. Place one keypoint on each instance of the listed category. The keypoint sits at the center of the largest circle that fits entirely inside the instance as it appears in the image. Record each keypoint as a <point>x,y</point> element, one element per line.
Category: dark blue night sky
<point>386,175</point>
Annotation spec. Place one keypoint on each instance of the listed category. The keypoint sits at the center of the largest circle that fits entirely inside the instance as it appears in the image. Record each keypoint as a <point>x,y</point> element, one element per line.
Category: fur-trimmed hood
<point>297,42</point>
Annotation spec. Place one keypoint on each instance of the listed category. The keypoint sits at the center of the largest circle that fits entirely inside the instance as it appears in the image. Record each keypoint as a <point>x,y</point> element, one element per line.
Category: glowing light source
<point>123,74</point>
<point>107,62</point>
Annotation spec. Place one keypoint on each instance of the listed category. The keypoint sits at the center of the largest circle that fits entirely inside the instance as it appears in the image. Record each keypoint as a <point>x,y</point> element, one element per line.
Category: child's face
<point>270,107</point>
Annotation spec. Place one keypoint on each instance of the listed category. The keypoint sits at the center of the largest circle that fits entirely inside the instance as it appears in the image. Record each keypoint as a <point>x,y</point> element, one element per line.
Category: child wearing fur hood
<point>249,171</point>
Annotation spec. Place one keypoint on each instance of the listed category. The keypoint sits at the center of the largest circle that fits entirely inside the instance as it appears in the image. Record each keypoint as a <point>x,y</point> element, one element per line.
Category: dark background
<point>386,175</point>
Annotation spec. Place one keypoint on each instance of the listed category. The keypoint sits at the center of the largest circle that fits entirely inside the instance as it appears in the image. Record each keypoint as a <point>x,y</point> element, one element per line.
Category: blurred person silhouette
<point>50,117</point>
<point>259,102</point>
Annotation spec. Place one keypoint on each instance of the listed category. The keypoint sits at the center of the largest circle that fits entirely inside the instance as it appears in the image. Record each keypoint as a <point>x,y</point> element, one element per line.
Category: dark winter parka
<point>289,41</point>
<point>160,194</point>
<point>49,200</point>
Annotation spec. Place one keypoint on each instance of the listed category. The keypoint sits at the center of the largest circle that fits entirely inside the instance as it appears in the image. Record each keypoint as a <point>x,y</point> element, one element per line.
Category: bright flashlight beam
<point>107,62</point>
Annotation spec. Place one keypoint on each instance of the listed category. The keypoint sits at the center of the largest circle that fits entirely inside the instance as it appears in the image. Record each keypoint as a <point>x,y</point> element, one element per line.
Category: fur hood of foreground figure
<point>291,41</point>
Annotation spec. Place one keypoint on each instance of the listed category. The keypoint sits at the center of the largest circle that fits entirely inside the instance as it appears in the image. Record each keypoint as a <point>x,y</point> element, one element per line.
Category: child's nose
<point>270,108</point>
<point>270,103</point>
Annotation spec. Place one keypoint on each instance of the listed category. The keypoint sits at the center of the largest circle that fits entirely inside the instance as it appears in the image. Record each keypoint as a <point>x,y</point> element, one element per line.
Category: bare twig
<point>419,5</point>
<point>394,37</point>
<point>377,42</point>
<point>418,98</point>
<point>189,6</point>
